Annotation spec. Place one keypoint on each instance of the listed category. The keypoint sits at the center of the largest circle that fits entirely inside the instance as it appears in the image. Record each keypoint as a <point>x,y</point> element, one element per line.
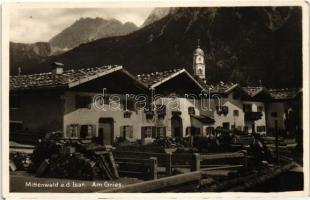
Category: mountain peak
<point>88,29</point>
<point>241,45</point>
<point>157,14</point>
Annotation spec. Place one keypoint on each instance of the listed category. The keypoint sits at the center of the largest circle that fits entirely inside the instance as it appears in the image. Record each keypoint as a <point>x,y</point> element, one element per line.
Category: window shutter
<point>68,130</point>
<point>130,131</point>
<point>126,131</point>
<point>159,132</point>
<point>153,132</point>
<point>142,132</point>
<point>78,131</point>
<point>121,131</point>
<point>94,130</point>
<point>89,130</point>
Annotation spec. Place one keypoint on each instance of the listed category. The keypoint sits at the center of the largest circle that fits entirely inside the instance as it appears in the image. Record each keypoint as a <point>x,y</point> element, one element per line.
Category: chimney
<point>57,68</point>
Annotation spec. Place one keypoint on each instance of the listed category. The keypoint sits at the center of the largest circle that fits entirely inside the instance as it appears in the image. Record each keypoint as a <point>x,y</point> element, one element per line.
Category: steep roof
<point>253,91</point>
<point>286,93</point>
<point>72,78</point>
<point>157,78</point>
<point>68,79</point>
<point>198,51</point>
<point>224,88</point>
<point>258,92</point>
<point>203,118</point>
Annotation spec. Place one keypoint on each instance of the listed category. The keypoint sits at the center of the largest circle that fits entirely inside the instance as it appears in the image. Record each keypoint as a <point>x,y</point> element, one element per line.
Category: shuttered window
<point>146,132</point>
<point>72,131</point>
<point>87,130</point>
<point>261,128</point>
<point>236,113</point>
<point>260,108</point>
<point>191,110</point>
<point>192,131</point>
<point>81,131</point>
<point>126,131</point>
<point>209,130</point>
<point>161,131</point>
<point>153,131</point>
<point>247,107</point>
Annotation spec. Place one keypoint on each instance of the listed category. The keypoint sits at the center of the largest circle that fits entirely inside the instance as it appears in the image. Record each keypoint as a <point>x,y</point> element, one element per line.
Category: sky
<point>28,25</point>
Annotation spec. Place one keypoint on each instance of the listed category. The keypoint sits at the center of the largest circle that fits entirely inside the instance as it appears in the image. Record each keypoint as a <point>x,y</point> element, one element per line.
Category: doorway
<point>176,126</point>
<point>253,128</point>
<point>106,131</point>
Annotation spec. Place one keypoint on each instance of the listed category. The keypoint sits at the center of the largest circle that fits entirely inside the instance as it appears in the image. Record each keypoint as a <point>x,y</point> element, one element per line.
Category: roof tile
<point>285,93</point>
<point>155,77</point>
<point>49,80</point>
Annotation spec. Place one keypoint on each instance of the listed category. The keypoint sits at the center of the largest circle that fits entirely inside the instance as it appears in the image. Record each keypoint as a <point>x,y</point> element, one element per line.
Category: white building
<point>174,104</point>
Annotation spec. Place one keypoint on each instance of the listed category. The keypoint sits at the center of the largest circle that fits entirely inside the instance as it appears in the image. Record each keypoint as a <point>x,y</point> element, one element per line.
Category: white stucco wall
<point>259,122</point>
<point>232,104</point>
<point>279,108</point>
<point>91,116</point>
<point>184,104</point>
<point>85,116</point>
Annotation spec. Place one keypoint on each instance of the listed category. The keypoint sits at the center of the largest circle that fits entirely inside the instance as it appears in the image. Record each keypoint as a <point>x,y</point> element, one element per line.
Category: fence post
<point>153,168</point>
<point>277,144</point>
<point>169,164</point>
<point>245,162</point>
<point>191,141</point>
<point>195,162</point>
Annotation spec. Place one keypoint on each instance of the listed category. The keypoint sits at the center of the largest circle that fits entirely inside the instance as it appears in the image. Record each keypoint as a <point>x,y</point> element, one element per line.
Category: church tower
<point>199,67</point>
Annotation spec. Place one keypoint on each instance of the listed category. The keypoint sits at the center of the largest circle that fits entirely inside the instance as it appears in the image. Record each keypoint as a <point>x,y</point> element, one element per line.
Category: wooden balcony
<point>252,116</point>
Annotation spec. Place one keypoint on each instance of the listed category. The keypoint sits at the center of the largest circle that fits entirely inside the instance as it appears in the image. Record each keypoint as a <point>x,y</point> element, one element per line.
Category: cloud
<point>28,25</point>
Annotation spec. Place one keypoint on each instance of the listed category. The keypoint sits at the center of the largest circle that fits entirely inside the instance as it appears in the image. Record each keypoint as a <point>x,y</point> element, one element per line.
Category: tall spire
<point>199,62</point>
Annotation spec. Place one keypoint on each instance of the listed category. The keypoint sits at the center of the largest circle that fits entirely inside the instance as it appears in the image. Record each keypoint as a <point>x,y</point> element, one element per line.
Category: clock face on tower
<point>199,59</point>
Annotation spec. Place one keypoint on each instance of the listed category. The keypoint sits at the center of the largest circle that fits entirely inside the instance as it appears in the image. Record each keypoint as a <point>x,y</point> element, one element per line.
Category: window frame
<point>126,131</point>
<point>74,131</point>
<point>152,131</point>
<point>192,131</point>
<point>249,105</point>
<point>127,114</point>
<point>209,130</point>
<point>260,108</point>
<point>261,127</point>
<point>158,133</point>
<point>236,113</point>
<point>191,110</point>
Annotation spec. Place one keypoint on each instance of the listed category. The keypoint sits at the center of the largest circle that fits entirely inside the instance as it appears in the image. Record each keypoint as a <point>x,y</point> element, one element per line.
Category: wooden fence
<point>159,185</point>
<point>170,161</point>
<point>135,167</point>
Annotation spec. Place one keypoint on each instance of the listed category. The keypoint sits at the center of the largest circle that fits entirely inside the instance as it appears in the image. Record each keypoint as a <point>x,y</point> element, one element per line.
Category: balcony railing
<point>252,116</point>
